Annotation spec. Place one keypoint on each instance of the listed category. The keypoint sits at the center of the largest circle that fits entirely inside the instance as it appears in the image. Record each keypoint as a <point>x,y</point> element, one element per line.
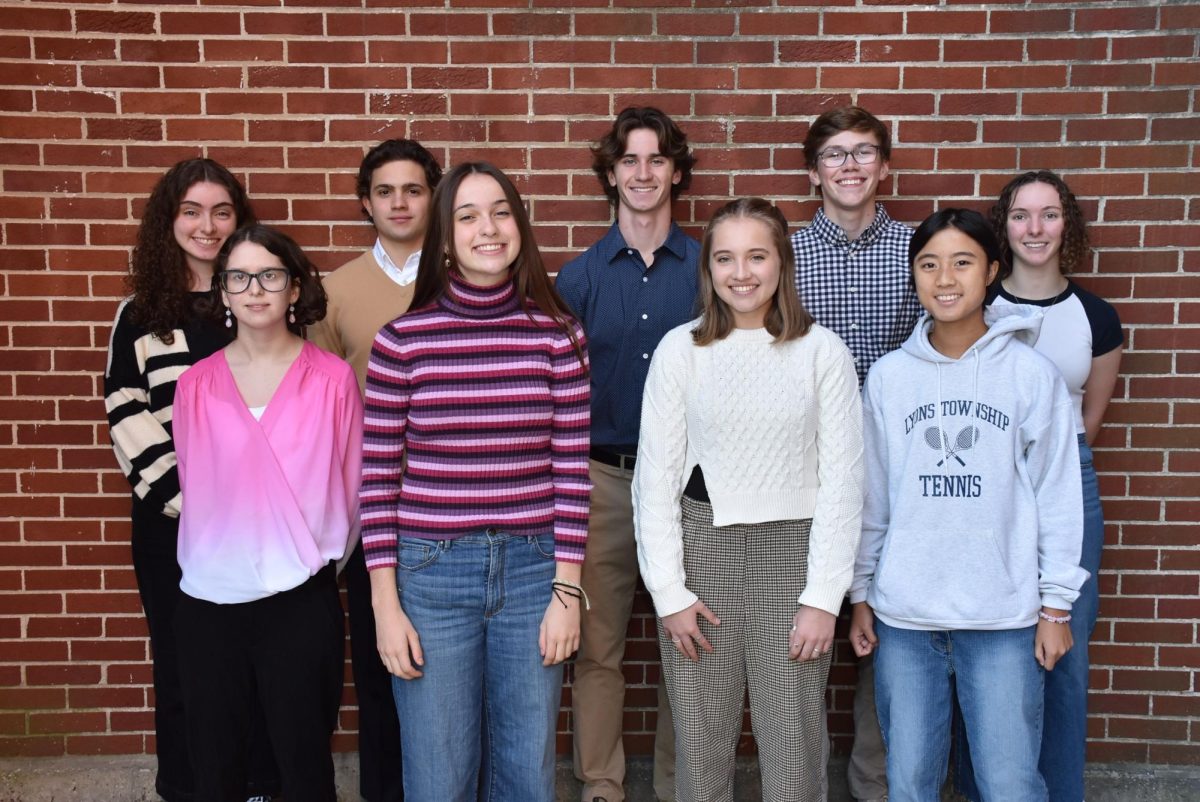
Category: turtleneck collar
<point>470,300</point>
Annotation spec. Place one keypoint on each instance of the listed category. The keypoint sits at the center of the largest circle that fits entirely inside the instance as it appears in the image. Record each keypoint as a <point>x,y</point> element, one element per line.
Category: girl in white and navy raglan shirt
<point>969,561</point>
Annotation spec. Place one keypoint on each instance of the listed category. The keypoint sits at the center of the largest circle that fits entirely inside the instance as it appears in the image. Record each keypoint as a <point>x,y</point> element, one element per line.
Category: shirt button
<point>629,251</point>
<point>645,279</point>
<point>644,316</point>
<point>645,356</point>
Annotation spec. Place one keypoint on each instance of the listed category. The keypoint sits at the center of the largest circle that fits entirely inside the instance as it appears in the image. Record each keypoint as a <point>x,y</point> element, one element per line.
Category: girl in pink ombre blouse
<point>268,432</point>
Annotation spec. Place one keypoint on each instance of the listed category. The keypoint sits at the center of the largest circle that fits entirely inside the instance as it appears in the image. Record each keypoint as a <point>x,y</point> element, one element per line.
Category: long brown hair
<point>1075,245</point>
<point>531,283</point>
<point>787,319</point>
<point>159,279</point>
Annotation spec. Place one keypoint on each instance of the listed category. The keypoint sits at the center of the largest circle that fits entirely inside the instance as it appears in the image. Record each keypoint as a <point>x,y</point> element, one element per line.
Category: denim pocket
<point>415,553</point>
<point>543,545</point>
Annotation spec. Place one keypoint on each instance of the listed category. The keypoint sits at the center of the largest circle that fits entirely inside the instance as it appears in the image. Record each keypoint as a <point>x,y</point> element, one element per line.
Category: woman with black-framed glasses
<point>268,434</point>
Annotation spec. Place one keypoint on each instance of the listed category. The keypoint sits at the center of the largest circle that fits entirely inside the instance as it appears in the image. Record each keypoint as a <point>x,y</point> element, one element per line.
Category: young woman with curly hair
<point>160,330</point>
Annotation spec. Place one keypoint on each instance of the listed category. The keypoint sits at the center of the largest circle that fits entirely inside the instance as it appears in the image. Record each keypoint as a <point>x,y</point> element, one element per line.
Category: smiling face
<point>256,308</point>
<point>399,202</point>
<point>850,187</point>
<point>952,274</point>
<point>1034,227</point>
<point>643,176</point>
<point>205,219</point>
<point>486,237</point>
<point>745,268</point>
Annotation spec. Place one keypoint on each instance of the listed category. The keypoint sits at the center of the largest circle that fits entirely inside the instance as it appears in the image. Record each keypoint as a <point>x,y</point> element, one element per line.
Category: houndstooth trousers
<point>750,576</point>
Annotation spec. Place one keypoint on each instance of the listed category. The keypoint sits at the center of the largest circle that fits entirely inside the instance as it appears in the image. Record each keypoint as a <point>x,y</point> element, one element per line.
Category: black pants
<point>154,541</point>
<point>285,653</point>
<point>381,776</point>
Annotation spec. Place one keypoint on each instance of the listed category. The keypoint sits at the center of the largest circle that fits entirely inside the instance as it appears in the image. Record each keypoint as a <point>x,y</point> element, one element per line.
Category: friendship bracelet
<point>566,583</point>
<point>1054,619</point>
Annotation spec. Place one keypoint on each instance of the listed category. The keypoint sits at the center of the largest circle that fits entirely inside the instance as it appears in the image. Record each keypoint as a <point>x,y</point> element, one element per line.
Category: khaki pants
<point>610,575</point>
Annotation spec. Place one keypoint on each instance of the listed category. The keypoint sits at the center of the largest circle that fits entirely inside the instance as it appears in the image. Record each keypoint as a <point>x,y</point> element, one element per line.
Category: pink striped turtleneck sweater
<point>477,416</point>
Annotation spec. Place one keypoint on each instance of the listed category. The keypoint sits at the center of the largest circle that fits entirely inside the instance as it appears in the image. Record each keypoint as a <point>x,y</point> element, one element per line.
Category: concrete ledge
<point>130,778</point>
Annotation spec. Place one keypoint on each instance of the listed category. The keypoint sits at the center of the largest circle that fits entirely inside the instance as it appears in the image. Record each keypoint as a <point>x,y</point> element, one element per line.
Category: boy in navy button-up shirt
<point>628,290</point>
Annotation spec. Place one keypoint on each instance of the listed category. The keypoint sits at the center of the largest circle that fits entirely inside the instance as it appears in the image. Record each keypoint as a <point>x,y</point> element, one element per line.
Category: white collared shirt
<point>402,276</point>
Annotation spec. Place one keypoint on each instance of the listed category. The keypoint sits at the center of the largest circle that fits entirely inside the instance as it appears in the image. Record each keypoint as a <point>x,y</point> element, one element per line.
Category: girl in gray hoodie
<point>969,560</point>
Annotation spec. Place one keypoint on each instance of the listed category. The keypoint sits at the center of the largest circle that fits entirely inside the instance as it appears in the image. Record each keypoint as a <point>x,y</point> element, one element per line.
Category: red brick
<point>1026,76</point>
<point>1115,19</point>
<point>285,23</point>
<point>119,22</point>
<point>74,49</point>
<point>242,50</point>
<point>861,23</point>
<point>941,78</point>
<point>1070,49</point>
<point>696,24</point>
<point>201,22</point>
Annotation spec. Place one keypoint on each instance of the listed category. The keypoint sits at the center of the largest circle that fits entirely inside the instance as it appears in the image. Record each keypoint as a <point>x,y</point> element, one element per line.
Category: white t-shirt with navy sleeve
<point>1076,328</point>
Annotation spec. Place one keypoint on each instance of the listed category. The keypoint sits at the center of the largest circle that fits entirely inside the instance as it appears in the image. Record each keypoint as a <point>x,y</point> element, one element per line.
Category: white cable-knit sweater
<point>777,430</point>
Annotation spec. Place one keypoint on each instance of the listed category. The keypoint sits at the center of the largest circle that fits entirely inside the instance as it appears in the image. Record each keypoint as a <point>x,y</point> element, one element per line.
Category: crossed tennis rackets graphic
<point>939,441</point>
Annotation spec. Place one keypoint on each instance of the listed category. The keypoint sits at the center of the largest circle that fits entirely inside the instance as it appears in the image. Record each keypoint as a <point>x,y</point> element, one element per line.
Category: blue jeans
<point>998,686</point>
<point>477,604</point>
<point>1064,737</point>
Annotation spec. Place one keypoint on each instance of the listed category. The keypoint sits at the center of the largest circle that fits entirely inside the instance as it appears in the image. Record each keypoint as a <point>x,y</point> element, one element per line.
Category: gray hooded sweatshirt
<point>974,515</point>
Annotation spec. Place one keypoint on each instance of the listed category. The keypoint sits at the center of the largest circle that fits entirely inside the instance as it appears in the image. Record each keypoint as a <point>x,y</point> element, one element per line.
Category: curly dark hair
<point>1076,247</point>
<point>396,150</point>
<point>309,307</point>
<point>159,280</point>
<point>672,143</point>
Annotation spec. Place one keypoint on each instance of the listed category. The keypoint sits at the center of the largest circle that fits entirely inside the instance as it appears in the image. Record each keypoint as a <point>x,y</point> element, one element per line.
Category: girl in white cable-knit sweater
<point>748,499</point>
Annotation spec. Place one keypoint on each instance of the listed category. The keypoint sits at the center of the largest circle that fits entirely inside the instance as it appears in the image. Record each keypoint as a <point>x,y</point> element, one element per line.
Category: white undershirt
<point>257,412</point>
<point>402,276</point>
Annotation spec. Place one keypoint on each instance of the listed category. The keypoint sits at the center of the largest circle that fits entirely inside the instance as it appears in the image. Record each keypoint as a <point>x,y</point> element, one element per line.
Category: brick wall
<point>98,98</point>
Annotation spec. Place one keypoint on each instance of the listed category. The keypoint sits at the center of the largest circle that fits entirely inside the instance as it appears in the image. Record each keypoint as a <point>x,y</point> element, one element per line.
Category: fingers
<point>803,647</point>
<point>708,614</point>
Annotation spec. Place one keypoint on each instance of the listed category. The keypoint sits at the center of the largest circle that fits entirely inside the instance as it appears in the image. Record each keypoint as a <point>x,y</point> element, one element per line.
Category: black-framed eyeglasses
<point>836,157</point>
<point>273,279</point>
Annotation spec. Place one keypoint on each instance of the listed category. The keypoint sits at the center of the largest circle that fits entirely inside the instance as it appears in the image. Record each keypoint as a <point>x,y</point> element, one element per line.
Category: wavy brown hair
<point>310,306</point>
<point>1075,245</point>
<point>672,143</point>
<point>528,272</point>
<point>159,280</point>
<point>787,319</point>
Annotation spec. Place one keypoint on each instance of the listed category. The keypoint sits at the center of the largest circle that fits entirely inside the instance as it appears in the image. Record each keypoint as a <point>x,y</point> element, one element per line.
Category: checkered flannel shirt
<point>860,289</point>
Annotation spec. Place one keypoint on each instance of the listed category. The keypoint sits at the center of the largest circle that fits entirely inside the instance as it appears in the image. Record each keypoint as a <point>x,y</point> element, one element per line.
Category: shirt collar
<point>401,275</point>
<point>613,243</point>
<point>832,233</point>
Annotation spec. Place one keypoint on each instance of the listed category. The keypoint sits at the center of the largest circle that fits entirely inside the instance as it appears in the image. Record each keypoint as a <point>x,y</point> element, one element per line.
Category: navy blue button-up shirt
<point>626,308</point>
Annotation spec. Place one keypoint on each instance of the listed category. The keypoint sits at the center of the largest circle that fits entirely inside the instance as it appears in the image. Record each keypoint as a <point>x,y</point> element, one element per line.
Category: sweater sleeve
<point>1052,459</point>
<point>570,391</point>
<point>658,476</point>
<point>877,501</point>
<point>837,517</point>
<point>385,421</point>
<point>142,443</point>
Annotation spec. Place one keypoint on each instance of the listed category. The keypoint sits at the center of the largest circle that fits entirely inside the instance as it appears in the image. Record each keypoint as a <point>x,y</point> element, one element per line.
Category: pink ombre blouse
<point>266,503</point>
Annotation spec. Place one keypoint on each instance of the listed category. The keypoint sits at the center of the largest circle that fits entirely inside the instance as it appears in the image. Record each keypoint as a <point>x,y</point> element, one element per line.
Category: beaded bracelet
<point>1054,619</point>
<point>558,584</point>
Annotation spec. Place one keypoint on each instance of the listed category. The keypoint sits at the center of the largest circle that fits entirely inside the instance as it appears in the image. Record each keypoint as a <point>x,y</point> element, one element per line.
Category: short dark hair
<point>310,306</point>
<point>845,118</point>
<point>968,221</point>
<point>786,319</point>
<point>1075,245</point>
<point>672,143</point>
<point>396,150</point>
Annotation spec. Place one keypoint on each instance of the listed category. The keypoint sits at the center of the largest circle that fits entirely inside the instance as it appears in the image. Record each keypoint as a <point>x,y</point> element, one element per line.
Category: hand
<point>1052,640</point>
<point>397,640</point>
<point>812,633</point>
<point>558,636</point>
<point>862,630</point>
<point>685,631</point>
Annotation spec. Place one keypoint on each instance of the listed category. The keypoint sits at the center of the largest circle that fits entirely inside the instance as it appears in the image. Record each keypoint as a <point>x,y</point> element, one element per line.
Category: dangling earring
<point>447,260</point>
<point>228,318</point>
<point>292,314</point>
